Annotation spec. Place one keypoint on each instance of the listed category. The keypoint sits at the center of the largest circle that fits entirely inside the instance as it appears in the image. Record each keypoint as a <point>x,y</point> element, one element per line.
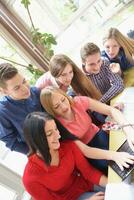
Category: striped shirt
<point>108,83</point>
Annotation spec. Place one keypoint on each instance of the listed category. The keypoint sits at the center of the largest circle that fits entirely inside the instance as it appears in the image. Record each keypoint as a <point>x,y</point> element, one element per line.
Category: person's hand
<point>122,159</point>
<point>115,68</point>
<point>119,106</point>
<point>97,196</point>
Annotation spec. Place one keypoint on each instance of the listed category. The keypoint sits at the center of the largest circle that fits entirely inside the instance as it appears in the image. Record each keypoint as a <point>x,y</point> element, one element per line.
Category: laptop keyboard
<point>123,174</point>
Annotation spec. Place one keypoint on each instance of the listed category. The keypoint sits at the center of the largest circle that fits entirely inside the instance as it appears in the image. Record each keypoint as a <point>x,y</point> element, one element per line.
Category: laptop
<point>127,171</point>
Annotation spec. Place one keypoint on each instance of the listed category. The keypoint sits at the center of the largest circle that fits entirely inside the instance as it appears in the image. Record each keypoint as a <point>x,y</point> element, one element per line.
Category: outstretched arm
<point>122,159</point>
<point>89,172</point>
<point>116,115</point>
<point>116,83</point>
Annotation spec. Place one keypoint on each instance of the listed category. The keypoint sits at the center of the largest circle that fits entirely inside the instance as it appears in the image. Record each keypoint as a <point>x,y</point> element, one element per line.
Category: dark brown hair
<point>35,136</point>
<point>7,71</point>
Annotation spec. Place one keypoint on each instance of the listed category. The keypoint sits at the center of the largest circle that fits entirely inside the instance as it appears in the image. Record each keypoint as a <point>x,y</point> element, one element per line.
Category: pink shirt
<point>48,80</point>
<point>82,126</point>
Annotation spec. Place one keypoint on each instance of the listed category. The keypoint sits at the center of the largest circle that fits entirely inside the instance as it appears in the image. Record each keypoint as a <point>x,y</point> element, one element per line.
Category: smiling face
<point>66,76</point>
<point>61,105</point>
<point>17,88</point>
<point>52,135</point>
<point>111,48</point>
<point>93,63</point>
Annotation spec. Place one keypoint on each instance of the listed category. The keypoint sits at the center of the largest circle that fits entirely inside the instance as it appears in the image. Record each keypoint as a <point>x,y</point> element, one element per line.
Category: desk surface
<point>129,77</point>
<point>118,137</point>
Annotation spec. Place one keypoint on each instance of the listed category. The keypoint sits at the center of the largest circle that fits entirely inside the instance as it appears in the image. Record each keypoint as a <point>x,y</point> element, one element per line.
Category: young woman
<point>72,113</point>
<point>64,73</point>
<point>118,49</point>
<point>57,170</point>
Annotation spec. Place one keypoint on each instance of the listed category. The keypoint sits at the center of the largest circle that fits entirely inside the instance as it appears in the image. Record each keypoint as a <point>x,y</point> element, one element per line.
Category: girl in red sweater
<point>57,170</point>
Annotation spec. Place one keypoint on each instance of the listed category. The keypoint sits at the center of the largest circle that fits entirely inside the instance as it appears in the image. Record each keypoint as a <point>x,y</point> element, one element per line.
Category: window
<point>7,193</point>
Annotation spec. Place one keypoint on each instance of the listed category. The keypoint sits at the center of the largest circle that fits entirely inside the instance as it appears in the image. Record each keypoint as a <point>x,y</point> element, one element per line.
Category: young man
<point>98,71</point>
<point>20,99</point>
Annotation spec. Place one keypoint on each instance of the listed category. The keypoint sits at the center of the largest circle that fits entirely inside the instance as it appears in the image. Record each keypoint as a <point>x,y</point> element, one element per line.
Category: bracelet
<point>114,126</point>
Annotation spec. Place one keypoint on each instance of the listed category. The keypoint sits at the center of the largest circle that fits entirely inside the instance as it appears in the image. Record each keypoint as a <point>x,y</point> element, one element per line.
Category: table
<point>118,137</point>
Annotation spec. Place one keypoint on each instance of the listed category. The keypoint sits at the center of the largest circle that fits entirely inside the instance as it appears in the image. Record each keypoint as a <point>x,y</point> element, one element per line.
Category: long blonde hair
<point>46,98</point>
<point>80,83</point>
<point>125,42</point>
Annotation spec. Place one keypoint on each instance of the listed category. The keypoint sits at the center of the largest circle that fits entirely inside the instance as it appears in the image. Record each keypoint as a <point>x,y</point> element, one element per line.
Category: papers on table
<point>119,191</point>
<point>127,97</point>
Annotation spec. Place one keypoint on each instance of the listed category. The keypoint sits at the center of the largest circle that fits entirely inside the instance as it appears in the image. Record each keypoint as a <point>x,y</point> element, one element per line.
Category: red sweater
<point>67,181</point>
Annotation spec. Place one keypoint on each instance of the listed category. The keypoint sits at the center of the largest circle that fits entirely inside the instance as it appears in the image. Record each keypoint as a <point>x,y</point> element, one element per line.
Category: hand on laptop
<point>97,196</point>
<point>122,159</point>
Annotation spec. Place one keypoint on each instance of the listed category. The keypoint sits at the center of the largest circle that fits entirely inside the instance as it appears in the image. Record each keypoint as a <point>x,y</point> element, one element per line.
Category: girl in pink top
<point>72,113</point>
<point>65,74</point>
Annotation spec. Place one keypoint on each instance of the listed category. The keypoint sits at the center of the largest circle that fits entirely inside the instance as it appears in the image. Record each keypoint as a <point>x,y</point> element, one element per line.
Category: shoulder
<point>44,77</point>
<point>35,95</point>
<point>68,146</point>
<point>45,80</point>
<point>31,175</point>
<point>34,168</point>
<point>81,102</point>
<point>3,100</point>
<point>4,104</point>
<point>35,90</point>
<point>103,54</point>
<point>80,99</point>
<point>67,143</point>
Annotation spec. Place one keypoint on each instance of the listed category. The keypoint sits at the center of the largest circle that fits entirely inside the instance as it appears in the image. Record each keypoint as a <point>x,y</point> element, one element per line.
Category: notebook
<point>127,97</point>
<point>125,173</point>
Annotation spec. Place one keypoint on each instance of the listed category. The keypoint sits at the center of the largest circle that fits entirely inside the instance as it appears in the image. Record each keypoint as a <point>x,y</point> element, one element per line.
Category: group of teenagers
<point>57,123</point>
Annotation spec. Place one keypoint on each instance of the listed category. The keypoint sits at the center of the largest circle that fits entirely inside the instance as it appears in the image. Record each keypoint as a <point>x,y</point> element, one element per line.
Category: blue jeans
<point>89,194</point>
<point>97,118</point>
<point>100,140</point>
<point>86,195</point>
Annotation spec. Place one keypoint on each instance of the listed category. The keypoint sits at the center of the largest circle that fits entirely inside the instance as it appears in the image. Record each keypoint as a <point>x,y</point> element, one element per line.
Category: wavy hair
<point>80,83</point>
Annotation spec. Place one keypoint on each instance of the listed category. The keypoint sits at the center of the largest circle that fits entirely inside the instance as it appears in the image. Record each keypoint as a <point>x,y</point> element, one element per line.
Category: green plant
<point>42,40</point>
<point>35,72</point>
